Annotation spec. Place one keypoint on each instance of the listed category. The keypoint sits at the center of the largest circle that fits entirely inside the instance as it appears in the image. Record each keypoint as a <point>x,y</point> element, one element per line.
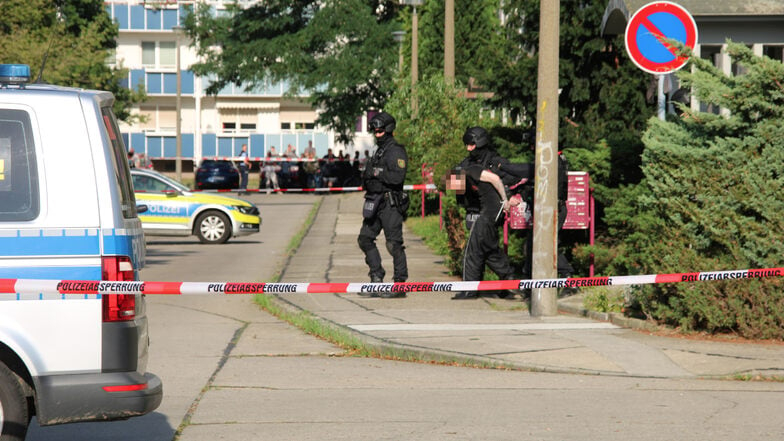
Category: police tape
<point>65,287</point>
<point>311,190</point>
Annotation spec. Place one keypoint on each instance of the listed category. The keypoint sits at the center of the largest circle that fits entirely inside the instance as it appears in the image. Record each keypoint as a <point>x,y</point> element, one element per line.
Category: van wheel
<point>13,407</point>
<point>213,227</point>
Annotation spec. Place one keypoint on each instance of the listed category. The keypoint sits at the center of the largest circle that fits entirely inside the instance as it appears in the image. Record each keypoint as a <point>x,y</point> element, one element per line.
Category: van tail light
<point>118,307</point>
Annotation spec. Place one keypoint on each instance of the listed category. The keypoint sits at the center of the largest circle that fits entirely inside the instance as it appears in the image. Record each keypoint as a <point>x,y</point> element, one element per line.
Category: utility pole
<point>544,301</point>
<point>178,105</point>
<point>449,41</point>
<point>414,46</point>
<point>414,49</point>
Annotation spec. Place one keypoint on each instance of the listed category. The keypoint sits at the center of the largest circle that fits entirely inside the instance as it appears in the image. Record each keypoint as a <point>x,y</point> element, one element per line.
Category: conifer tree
<point>478,39</point>
<point>712,199</point>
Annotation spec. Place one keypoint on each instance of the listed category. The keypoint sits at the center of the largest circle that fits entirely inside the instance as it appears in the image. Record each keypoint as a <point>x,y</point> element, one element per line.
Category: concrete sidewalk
<point>494,330</point>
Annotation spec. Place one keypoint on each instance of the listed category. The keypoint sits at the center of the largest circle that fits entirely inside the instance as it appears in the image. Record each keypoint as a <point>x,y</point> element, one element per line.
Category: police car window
<point>150,184</point>
<point>122,172</point>
<point>18,171</point>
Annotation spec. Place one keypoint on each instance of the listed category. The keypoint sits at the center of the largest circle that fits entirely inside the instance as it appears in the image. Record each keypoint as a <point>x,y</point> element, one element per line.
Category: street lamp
<point>399,36</point>
<point>414,48</point>
<point>178,123</point>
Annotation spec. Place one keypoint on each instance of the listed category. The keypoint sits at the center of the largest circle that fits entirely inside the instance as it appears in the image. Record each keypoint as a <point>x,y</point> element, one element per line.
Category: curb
<point>615,318</point>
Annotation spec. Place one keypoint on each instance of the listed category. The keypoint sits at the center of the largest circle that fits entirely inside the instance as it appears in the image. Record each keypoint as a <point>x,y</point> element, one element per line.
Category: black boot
<point>374,278</point>
<point>465,295</point>
<point>394,295</point>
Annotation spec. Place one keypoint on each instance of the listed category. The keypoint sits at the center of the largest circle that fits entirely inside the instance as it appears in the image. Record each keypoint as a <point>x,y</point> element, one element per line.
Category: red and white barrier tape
<point>315,190</point>
<point>31,286</point>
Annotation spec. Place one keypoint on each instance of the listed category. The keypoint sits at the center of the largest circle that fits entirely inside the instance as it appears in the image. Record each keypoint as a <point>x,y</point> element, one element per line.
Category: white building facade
<point>152,48</point>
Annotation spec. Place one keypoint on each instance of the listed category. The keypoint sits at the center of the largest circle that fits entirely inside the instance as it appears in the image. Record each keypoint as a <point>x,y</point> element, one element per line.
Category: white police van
<point>67,212</point>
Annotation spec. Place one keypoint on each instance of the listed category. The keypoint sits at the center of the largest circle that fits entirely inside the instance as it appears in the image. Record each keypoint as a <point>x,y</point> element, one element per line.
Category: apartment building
<point>154,49</point>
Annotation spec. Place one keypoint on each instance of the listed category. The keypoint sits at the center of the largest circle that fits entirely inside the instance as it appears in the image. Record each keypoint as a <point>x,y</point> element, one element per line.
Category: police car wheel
<point>213,227</point>
<point>14,417</point>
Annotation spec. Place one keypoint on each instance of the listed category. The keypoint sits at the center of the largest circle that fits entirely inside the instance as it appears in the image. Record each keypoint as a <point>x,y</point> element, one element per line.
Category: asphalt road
<point>232,372</point>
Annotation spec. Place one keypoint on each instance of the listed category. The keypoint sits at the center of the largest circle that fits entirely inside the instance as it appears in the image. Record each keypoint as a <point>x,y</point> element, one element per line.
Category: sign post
<point>646,40</point>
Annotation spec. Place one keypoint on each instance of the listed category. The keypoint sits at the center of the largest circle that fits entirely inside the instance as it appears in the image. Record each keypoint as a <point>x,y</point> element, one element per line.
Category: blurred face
<point>456,182</point>
<point>378,132</point>
<point>470,147</point>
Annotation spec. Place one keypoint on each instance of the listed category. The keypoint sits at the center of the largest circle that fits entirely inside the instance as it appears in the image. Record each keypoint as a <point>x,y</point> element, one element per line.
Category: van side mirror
<point>141,208</point>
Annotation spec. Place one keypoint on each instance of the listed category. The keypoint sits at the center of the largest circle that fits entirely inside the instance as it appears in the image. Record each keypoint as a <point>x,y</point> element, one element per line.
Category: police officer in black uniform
<point>482,246</point>
<point>385,202</point>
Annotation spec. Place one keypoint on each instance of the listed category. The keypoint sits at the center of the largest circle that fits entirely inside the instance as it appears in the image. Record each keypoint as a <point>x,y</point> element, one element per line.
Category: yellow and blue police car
<point>174,210</point>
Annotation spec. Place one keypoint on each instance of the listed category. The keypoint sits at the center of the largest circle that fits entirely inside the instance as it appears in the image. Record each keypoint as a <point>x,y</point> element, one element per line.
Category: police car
<point>67,212</point>
<point>173,210</point>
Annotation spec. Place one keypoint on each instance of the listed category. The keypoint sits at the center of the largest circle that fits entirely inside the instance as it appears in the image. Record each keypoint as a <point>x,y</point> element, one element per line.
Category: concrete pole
<point>414,60</point>
<point>544,301</point>
<point>178,123</point>
<point>414,47</point>
<point>449,41</point>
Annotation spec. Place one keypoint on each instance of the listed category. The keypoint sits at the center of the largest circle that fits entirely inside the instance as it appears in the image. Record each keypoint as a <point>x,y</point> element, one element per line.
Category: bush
<point>712,200</point>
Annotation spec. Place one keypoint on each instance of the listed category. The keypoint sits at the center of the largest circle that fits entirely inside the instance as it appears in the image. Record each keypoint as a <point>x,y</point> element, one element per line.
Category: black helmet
<point>477,136</point>
<point>382,120</point>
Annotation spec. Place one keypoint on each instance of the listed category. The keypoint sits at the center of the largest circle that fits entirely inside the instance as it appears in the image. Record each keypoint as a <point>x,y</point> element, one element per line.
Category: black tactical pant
<point>391,221</point>
<point>482,249</point>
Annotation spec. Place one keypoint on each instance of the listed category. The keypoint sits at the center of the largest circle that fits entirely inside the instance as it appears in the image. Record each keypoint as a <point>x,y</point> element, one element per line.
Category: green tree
<point>75,37</point>
<point>712,200</point>
<point>602,106</point>
<point>478,39</point>
<point>434,136</point>
<point>340,52</point>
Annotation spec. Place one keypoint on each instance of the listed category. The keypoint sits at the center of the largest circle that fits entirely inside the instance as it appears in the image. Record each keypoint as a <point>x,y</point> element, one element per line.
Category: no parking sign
<point>646,33</point>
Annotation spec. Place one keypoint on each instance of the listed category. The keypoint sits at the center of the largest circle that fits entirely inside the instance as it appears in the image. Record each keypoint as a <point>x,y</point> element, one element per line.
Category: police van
<point>67,212</point>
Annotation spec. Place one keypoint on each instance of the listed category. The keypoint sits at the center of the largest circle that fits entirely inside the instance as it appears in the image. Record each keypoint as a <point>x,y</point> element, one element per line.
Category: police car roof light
<point>14,74</point>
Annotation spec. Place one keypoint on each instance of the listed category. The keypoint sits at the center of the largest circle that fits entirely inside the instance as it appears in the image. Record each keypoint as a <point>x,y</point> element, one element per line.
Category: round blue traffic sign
<point>648,31</point>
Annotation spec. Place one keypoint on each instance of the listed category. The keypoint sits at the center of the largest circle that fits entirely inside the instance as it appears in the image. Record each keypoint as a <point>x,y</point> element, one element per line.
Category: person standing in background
<point>244,167</point>
<point>385,203</point>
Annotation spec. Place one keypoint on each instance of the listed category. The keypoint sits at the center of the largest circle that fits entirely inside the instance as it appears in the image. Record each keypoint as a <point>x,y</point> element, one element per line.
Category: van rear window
<point>19,197</point>
<point>122,173</point>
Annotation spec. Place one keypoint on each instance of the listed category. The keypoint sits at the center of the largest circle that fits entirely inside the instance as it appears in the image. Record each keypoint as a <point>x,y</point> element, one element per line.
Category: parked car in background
<point>173,210</point>
<point>217,174</point>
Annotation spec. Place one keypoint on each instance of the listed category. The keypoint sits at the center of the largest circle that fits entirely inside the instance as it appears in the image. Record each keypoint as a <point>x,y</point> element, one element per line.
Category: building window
<point>148,53</point>
<point>161,54</point>
<point>304,126</point>
<point>244,119</point>
<point>111,57</point>
<point>157,119</point>
<point>147,120</point>
<point>168,56</point>
<point>775,52</point>
<point>285,126</point>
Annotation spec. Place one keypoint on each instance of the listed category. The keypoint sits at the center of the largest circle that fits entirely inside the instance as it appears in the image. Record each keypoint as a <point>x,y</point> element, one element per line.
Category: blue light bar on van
<point>14,74</point>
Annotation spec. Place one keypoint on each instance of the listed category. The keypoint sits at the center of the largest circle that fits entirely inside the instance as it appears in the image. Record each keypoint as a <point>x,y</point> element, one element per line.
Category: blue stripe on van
<point>26,243</point>
<point>117,244</point>
<point>52,272</point>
